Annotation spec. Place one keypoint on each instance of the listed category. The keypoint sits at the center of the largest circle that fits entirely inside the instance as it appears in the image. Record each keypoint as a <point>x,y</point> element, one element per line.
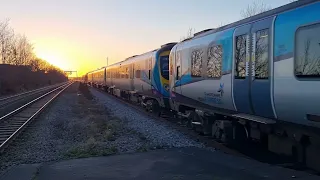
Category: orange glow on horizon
<point>66,56</point>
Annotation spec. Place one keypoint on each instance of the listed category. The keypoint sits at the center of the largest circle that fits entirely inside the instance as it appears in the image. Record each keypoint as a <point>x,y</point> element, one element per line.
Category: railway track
<point>14,122</point>
<point>9,103</point>
<point>8,98</point>
<point>249,151</point>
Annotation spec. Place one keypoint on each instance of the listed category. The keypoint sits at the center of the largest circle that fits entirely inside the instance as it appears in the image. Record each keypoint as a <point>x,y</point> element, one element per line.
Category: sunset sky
<point>80,34</point>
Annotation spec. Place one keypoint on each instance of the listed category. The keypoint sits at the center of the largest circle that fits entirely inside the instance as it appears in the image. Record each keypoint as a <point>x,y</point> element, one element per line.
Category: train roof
<point>134,56</point>
<point>96,70</point>
<point>257,17</point>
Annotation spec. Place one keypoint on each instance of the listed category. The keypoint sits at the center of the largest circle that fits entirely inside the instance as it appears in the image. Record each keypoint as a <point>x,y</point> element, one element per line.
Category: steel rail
<point>19,130</point>
<point>27,92</point>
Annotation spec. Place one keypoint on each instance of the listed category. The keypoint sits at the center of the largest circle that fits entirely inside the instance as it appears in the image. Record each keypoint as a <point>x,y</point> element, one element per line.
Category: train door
<point>131,75</point>
<point>262,68</point>
<point>178,69</point>
<point>105,77</point>
<point>112,72</point>
<point>252,68</point>
<point>241,78</point>
<point>150,65</point>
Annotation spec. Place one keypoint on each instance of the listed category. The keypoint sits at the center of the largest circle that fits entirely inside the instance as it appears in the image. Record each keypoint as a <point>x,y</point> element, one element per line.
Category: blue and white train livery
<point>262,72</point>
<point>255,79</point>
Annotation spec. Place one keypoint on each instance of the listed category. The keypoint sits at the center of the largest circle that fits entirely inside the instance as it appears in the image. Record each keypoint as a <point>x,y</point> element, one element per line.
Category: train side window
<point>118,74</point>
<point>240,57</point>
<point>131,69</point>
<point>261,64</point>
<point>307,52</point>
<point>196,62</point>
<point>138,73</point>
<point>127,73</point>
<point>214,61</point>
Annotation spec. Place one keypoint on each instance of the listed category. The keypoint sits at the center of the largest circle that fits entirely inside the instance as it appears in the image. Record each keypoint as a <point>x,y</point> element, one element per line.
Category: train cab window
<point>196,62</point>
<point>164,65</point>
<point>307,52</point>
<point>214,61</point>
<point>240,57</point>
<point>261,54</point>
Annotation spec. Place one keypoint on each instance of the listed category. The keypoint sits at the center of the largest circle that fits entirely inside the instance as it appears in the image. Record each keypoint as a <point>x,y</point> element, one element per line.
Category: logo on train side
<point>211,97</point>
<point>221,91</point>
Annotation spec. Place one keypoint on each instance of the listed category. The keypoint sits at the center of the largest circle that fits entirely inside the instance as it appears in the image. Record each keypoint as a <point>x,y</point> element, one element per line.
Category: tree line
<point>15,49</point>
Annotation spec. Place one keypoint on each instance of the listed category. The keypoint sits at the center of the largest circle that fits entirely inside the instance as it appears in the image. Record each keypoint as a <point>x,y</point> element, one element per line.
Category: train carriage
<point>119,77</point>
<point>259,76</point>
<point>255,79</point>
<point>143,78</point>
<point>99,77</point>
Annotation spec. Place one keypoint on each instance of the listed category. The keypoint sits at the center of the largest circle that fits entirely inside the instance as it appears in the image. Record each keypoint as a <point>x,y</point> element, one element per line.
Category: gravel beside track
<point>83,124</point>
<point>157,132</point>
<point>37,144</point>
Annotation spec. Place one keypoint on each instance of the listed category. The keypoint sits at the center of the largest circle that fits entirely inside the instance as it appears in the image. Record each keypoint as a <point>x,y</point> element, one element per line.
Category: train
<point>257,79</point>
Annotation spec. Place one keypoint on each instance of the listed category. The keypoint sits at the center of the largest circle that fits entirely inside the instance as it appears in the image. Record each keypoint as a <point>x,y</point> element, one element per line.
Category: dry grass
<point>91,148</point>
<point>101,128</point>
<point>85,91</point>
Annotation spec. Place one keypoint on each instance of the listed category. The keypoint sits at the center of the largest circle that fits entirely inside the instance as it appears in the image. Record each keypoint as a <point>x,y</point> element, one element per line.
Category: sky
<point>80,34</point>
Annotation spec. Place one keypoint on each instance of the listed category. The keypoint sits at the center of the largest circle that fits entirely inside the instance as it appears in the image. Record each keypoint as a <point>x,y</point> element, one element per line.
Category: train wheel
<point>240,135</point>
<point>206,125</point>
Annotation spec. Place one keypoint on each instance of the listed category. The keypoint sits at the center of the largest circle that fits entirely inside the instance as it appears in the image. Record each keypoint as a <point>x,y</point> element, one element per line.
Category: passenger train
<point>143,78</point>
<point>255,79</point>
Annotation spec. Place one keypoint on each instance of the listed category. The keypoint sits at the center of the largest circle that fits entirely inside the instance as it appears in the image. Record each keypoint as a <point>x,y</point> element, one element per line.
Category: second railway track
<point>13,123</point>
<point>10,103</point>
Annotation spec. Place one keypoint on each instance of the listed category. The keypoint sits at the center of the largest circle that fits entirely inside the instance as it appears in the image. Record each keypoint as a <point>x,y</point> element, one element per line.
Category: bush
<point>15,79</point>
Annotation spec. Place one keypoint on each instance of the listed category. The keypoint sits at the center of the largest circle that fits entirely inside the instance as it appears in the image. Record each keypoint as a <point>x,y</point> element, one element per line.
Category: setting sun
<point>52,57</point>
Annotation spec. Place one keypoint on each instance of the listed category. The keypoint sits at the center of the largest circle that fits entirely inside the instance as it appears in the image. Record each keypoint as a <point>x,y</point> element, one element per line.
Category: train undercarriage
<point>300,144</point>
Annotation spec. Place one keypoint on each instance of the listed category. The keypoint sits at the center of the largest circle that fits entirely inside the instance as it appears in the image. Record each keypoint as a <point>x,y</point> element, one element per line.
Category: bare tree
<point>307,63</point>
<point>190,33</point>
<point>16,49</point>
<point>261,54</point>
<point>214,61</point>
<point>25,51</point>
<point>6,35</point>
<point>256,7</point>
